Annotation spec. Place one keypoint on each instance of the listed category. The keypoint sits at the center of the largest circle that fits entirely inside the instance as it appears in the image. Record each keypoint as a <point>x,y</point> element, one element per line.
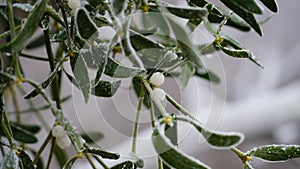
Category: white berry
<point>157,79</point>
<point>158,94</point>
<point>58,131</point>
<point>74,5</point>
<point>63,142</point>
<point>171,56</point>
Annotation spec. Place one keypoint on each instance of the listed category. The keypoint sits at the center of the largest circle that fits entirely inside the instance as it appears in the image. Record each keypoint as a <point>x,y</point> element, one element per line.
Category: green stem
<point>15,60</point>
<point>54,85</point>
<point>101,162</point>
<point>42,148</point>
<point>179,107</point>
<point>15,102</point>
<point>5,124</point>
<point>182,62</point>
<point>8,33</point>
<point>160,164</point>
<point>136,123</point>
<point>90,161</point>
<point>51,153</point>
<point>33,57</point>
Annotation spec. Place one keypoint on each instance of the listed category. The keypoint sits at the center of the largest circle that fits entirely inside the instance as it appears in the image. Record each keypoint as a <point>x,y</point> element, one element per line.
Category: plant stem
<point>243,156</point>
<point>7,33</point>
<point>33,57</point>
<point>15,102</point>
<point>160,164</point>
<point>90,161</point>
<point>42,148</point>
<point>136,123</point>
<point>51,153</point>
<point>182,62</point>
<point>179,107</point>
<point>101,162</point>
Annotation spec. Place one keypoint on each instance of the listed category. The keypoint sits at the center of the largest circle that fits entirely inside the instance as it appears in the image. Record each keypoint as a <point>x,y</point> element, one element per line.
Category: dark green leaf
<point>50,11</point>
<point>187,72</point>
<point>172,133</point>
<point>276,152</point>
<point>81,75</point>
<point>25,160</point>
<point>59,37</point>
<point>186,12</point>
<point>23,6</point>
<point>85,26</point>
<point>140,42</point>
<point>23,135</point>
<point>101,21</point>
<point>137,85</point>
<point>125,165</point>
<point>30,128</point>
<point>118,6</point>
<point>92,137</point>
<point>44,85</point>
<point>40,164</point>
<point>208,75</point>
<point>10,161</point>
<point>106,89</point>
<point>250,5</point>
<point>224,140</point>
<point>114,69</point>
<point>37,42</point>
<point>246,15</point>
<point>27,30</point>
<point>270,4</point>
<point>237,51</point>
<point>70,163</point>
<point>172,156</point>
<point>184,41</point>
<point>102,153</point>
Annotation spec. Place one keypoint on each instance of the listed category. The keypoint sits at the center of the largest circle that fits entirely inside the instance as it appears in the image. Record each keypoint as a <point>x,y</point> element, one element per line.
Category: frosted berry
<point>158,94</point>
<point>171,56</point>
<point>157,79</point>
<point>63,142</point>
<point>58,131</point>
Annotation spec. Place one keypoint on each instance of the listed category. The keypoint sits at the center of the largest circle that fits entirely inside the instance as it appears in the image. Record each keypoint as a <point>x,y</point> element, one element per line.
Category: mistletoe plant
<point>157,47</point>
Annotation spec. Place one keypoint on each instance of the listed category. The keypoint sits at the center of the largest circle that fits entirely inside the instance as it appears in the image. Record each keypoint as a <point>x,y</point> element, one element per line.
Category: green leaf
<point>184,42</point>
<point>30,128</point>
<point>27,30</point>
<point>81,75</point>
<point>208,75</point>
<point>125,165</point>
<point>276,152</point>
<point>85,26</point>
<point>270,4</point>
<point>172,133</point>
<point>187,72</point>
<point>251,6</point>
<point>26,7</point>
<point>186,12</point>
<point>44,85</point>
<point>246,15</point>
<point>92,137</point>
<point>106,88</point>
<point>224,140</point>
<point>137,85</point>
<point>118,6</point>
<point>10,161</point>
<point>23,135</point>
<point>155,19</point>
<point>37,42</point>
<point>172,156</point>
<point>114,69</point>
<point>102,153</point>
<point>25,160</point>
<point>99,57</point>
<point>70,163</point>
<point>237,51</point>
<point>50,11</point>
<point>140,42</point>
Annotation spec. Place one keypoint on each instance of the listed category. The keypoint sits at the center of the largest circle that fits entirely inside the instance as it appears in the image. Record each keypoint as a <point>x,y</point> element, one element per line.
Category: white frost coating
<point>74,5</point>
<point>58,131</point>
<point>157,79</point>
<point>63,142</point>
<point>158,94</point>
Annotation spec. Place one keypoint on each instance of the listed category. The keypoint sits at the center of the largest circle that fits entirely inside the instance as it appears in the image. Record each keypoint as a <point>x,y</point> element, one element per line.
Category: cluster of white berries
<point>62,139</point>
<point>157,79</point>
<point>74,5</point>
